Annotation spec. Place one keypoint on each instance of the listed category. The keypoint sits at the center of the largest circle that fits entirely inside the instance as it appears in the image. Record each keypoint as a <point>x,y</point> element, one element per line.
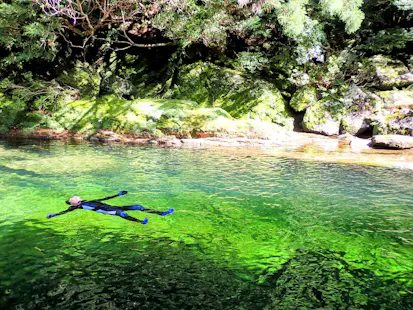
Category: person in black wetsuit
<point>97,205</point>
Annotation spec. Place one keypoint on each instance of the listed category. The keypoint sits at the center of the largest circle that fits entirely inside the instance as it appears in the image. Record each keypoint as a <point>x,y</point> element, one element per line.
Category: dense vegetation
<point>323,66</point>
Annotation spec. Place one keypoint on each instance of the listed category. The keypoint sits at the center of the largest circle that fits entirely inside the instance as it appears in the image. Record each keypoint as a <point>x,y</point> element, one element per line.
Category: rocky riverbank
<point>343,149</point>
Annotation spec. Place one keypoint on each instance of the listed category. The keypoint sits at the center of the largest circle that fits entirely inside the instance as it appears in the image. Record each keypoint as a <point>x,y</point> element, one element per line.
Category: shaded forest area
<point>329,67</point>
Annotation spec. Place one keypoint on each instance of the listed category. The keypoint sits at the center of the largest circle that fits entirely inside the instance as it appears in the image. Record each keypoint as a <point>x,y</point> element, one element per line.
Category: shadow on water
<point>323,280</point>
<point>89,269</point>
<point>107,270</point>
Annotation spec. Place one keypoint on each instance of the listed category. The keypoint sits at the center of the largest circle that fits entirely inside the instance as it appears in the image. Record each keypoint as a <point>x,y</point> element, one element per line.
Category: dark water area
<point>250,230</point>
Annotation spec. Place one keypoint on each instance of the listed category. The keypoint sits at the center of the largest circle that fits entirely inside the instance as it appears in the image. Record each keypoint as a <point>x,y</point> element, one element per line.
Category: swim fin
<point>171,210</point>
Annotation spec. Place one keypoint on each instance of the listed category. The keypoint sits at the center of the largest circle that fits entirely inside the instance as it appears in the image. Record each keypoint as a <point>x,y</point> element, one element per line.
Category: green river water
<point>250,230</point>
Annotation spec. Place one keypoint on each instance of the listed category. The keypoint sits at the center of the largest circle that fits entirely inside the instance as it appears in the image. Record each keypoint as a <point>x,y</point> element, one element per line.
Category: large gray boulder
<point>391,72</point>
<point>392,142</point>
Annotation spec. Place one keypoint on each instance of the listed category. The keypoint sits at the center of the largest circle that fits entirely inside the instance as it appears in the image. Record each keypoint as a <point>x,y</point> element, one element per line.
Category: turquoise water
<point>250,231</point>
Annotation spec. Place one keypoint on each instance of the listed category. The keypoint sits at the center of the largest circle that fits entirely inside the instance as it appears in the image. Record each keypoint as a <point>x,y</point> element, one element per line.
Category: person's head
<point>74,201</point>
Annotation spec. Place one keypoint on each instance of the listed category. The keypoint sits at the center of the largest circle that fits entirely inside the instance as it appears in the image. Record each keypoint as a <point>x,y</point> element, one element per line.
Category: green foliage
<point>385,41</point>
<point>189,22</point>
<point>26,34</point>
<point>10,111</point>
<point>293,15</point>
<point>37,94</point>
<point>252,62</point>
<point>347,10</point>
<point>84,78</point>
<point>303,98</point>
<point>276,47</point>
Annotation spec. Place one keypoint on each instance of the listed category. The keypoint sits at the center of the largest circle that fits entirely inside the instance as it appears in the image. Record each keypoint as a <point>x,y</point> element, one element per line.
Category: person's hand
<point>51,215</point>
<point>122,193</point>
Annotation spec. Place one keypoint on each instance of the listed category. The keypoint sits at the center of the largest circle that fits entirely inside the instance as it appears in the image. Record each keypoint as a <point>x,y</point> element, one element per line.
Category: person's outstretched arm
<point>72,208</point>
<point>121,193</point>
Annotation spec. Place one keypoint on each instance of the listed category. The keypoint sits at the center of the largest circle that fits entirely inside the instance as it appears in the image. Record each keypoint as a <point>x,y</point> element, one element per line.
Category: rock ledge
<point>392,142</point>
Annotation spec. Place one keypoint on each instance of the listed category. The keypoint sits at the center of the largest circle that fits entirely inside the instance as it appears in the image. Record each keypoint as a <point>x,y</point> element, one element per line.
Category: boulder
<point>356,123</point>
<point>242,96</point>
<point>169,141</point>
<point>357,99</point>
<point>303,98</point>
<point>391,72</point>
<point>392,142</point>
<point>318,120</point>
<point>402,125</point>
<point>396,114</point>
<point>396,98</point>
<point>105,136</point>
<point>360,105</point>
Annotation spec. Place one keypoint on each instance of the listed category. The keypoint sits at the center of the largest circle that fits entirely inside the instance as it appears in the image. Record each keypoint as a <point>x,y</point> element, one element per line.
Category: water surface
<point>251,230</point>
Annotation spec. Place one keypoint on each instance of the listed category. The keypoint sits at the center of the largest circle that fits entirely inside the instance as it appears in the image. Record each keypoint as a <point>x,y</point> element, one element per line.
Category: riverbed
<point>253,228</point>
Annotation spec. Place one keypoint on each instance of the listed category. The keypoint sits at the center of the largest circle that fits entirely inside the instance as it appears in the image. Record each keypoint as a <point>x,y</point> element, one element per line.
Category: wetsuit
<point>98,206</point>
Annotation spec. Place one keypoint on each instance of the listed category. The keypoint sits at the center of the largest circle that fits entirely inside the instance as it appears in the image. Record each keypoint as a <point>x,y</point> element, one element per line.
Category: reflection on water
<point>252,230</point>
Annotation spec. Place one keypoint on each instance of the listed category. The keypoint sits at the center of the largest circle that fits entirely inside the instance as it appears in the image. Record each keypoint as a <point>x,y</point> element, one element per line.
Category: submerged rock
<point>345,139</point>
<point>242,96</point>
<point>392,141</point>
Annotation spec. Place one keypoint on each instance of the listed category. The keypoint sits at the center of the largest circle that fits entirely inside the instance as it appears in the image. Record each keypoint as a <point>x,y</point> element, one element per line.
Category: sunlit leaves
<point>388,40</point>
<point>404,4</point>
<point>347,10</point>
<point>293,14</point>
<point>25,34</point>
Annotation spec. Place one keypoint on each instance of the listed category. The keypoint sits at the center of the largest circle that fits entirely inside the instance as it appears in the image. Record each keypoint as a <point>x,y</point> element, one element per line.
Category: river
<point>252,229</point>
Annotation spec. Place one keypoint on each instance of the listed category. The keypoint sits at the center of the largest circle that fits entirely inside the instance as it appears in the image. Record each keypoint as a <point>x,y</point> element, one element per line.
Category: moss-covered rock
<point>318,119</point>
<point>154,116</point>
<point>396,114</point>
<point>242,96</point>
<point>396,98</point>
<point>393,121</point>
<point>304,97</point>
<point>391,72</point>
<point>357,99</point>
<point>356,123</point>
<point>360,105</point>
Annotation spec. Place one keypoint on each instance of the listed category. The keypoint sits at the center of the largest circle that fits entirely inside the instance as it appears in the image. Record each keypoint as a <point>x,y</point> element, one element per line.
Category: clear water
<point>250,231</point>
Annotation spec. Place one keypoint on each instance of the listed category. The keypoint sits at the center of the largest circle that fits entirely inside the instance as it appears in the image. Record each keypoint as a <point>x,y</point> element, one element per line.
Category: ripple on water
<point>242,216</point>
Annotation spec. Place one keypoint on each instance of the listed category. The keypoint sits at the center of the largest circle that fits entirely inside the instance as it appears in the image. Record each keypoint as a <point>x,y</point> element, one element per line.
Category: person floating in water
<point>97,205</point>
